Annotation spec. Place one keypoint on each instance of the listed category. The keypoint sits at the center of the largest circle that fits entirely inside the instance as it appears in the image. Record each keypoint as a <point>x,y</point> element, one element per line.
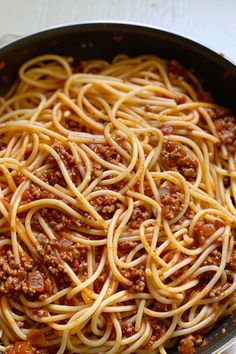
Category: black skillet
<point>104,40</point>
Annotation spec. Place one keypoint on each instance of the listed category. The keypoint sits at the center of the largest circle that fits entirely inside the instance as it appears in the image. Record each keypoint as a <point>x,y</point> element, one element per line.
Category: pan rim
<point>222,58</point>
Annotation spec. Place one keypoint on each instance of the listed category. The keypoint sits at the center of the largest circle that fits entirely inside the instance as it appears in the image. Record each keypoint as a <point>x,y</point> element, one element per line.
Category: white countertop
<point>211,22</point>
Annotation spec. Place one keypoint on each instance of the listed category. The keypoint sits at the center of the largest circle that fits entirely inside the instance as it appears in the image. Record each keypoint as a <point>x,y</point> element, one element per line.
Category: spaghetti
<point>117,201</point>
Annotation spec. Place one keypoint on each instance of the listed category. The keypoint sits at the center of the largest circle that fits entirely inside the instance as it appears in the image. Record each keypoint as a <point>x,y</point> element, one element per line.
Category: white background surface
<point>211,22</point>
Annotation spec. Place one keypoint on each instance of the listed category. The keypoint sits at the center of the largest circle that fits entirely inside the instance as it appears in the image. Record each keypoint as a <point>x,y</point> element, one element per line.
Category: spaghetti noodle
<point>117,201</point>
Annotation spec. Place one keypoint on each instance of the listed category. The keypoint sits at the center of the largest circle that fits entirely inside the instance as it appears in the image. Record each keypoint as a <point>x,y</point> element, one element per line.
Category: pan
<point>104,40</point>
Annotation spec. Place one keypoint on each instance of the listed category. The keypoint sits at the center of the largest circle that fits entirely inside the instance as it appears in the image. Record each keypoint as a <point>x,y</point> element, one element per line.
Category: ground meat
<point>106,152</point>
<point>51,257</point>
<point>64,154</point>
<point>217,290</point>
<point>35,192</point>
<point>120,184</point>
<point>175,157</point>
<point>21,348</point>
<point>37,337</point>
<point>202,230</point>
<point>180,99</point>
<point>102,277</point>
<point>51,176</point>
<point>29,348</point>
<point>68,160</point>
<point>226,129</point>
<point>57,220</point>
<point>160,307</point>
<point>176,71</point>
<point>147,189</point>
<point>20,324</point>
<point>23,277</point>
<point>105,203</point>
<point>204,342</point>
<point>35,224</point>
<point>171,201</point>
<point>213,258</point>
<point>187,345</point>
<point>189,213</point>
<point>146,186</point>
<point>127,329</point>
<point>166,129</point>
<point>167,257</point>
<point>205,278</point>
<point>226,181</point>
<point>137,277</point>
<point>40,312</point>
<point>126,246</point>
<point>218,113</point>
<point>73,125</point>
<point>158,330</point>
<point>54,252</point>
<point>18,178</point>
<point>122,142</point>
<point>232,262</point>
<point>97,169</point>
<point>76,126</point>
<point>139,215</point>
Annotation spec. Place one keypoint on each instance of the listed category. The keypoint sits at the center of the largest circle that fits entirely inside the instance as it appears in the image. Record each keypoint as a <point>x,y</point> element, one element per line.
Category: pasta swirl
<point>117,208</point>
